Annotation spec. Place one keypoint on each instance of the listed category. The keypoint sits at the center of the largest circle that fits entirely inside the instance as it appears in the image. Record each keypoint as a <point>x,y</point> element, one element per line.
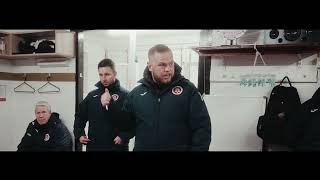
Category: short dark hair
<point>160,48</point>
<point>107,63</point>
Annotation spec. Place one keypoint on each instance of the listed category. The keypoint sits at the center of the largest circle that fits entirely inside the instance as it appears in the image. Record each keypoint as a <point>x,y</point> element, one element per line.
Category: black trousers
<point>114,147</point>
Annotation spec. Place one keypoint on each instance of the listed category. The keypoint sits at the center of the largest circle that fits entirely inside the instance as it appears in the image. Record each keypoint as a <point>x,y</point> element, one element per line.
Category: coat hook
<point>25,76</point>
<point>299,57</point>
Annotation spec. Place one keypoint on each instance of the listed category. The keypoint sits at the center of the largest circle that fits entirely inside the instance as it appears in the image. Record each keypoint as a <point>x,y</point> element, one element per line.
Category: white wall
<point>18,109</point>
<point>5,66</point>
<point>96,45</point>
<point>94,54</point>
<point>180,41</point>
<point>234,120</point>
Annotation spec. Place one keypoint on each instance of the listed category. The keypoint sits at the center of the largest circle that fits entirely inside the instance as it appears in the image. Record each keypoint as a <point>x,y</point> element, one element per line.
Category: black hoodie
<point>104,125</point>
<point>173,117</point>
<point>52,136</point>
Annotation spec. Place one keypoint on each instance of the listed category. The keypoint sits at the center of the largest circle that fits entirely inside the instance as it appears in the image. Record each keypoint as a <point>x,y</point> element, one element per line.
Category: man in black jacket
<point>46,133</point>
<point>102,108</point>
<point>168,111</point>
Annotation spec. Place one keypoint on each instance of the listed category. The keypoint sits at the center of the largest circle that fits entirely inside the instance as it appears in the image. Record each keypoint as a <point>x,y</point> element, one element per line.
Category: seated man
<point>46,133</point>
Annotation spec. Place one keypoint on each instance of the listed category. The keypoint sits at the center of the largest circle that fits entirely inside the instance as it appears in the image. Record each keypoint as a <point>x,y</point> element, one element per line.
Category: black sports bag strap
<point>284,79</point>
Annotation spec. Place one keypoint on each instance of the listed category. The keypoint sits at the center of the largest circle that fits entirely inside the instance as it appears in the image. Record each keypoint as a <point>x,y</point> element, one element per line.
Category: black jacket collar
<point>316,98</point>
<point>148,81</point>
<point>53,120</point>
<point>114,87</point>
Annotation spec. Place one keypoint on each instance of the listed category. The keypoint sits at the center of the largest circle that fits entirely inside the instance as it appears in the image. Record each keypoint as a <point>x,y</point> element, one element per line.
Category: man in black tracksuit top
<point>168,110</point>
<point>102,108</point>
<point>46,133</point>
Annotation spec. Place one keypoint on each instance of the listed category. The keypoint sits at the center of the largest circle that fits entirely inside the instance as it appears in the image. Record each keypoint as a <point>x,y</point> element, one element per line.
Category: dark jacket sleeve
<point>127,110</point>
<point>27,142</point>
<point>119,117</point>
<point>81,118</point>
<point>63,139</point>
<point>199,122</point>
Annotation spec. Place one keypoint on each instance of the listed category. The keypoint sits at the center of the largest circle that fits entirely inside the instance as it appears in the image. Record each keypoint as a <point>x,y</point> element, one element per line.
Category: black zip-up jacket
<point>104,125</point>
<point>168,118</point>
<point>52,136</point>
<point>309,125</point>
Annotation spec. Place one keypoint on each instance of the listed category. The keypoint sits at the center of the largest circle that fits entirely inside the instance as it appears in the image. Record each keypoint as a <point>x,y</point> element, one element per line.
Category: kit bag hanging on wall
<point>279,123</point>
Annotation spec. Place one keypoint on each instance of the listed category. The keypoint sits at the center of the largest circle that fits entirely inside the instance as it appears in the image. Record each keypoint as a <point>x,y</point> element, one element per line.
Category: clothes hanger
<point>31,89</point>
<point>42,88</point>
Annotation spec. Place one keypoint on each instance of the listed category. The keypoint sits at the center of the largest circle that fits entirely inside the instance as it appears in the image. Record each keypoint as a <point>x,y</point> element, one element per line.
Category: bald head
<point>159,48</point>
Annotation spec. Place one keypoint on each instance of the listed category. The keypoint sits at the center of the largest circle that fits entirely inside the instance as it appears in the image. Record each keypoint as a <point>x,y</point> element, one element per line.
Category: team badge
<point>177,90</point>
<point>46,137</point>
<point>115,97</point>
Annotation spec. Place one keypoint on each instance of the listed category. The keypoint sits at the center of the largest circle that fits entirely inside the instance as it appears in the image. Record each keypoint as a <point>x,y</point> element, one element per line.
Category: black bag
<point>46,46</point>
<point>278,124</point>
<point>25,46</point>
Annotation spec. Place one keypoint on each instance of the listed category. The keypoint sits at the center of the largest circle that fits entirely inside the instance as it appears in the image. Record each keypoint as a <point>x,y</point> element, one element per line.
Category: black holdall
<point>278,124</point>
<point>46,46</point>
<point>28,46</point>
<point>25,46</point>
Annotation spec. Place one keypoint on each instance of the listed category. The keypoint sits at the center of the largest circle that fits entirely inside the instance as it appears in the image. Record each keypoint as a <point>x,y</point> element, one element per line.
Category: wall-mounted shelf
<point>64,45</point>
<point>205,54</point>
<point>37,76</point>
<point>36,56</point>
<point>234,50</point>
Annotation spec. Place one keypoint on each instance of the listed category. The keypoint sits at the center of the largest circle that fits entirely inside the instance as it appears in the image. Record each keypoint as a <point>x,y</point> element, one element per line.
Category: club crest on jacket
<point>46,137</point>
<point>115,97</point>
<point>177,90</point>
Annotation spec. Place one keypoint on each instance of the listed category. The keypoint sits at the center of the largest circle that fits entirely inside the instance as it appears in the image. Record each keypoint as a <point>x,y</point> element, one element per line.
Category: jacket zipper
<point>157,122</point>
